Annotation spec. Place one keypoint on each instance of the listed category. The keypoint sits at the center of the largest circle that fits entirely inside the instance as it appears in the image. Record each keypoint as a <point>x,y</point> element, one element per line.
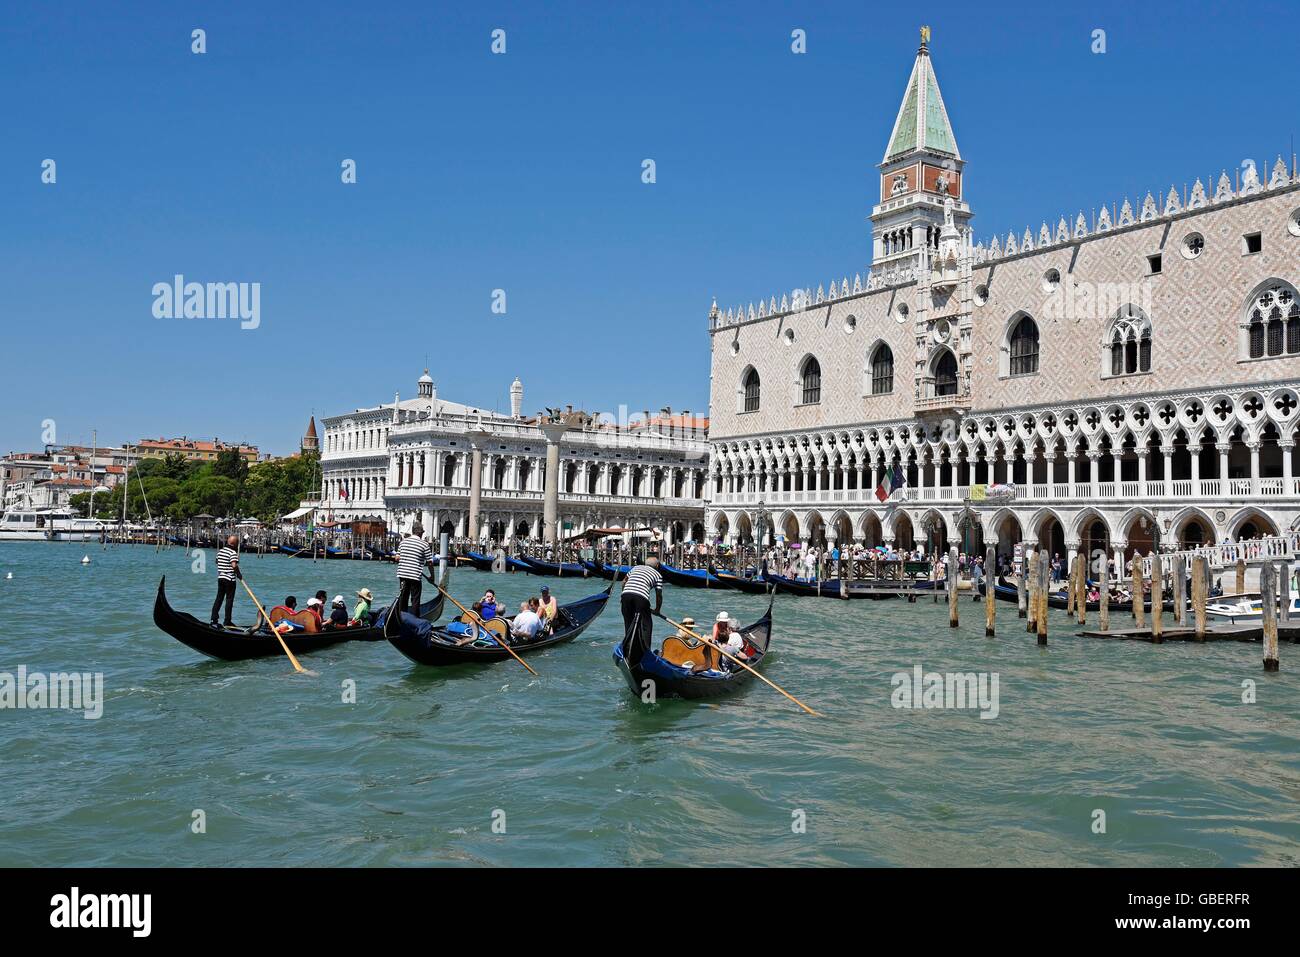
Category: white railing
<point>1037,492</point>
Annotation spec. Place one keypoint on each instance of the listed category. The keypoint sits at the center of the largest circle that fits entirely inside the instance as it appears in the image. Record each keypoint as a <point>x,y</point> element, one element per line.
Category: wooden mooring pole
<point>990,599</point>
<point>1157,599</point>
<point>1199,593</point>
<point>952,587</point>
<point>1103,603</point>
<point>1180,591</point>
<point>1081,597</point>
<point>1284,593</point>
<point>1031,589</point>
<point>1044,589</point>
<point>1020,586</point>
<point>1268,606</point>
<point>1241,576</point>
<point>1072,587</point>
<point>1139,599</point>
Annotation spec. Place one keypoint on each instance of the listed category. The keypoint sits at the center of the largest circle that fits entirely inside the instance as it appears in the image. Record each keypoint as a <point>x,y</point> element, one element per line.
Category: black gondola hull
<point>226,644</point>
<point>438,650</point>
<point>652,679</point>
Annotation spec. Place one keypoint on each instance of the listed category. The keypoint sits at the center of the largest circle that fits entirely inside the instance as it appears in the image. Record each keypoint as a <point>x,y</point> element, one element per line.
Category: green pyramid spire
<point>922,122</point>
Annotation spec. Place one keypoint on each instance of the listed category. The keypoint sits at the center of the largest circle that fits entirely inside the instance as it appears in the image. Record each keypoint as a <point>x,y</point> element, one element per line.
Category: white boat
<point>1236,609</point>
<point>48,524</point>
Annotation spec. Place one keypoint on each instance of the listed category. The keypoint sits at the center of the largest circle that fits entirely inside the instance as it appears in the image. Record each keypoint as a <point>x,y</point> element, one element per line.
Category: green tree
<point>231,465</point>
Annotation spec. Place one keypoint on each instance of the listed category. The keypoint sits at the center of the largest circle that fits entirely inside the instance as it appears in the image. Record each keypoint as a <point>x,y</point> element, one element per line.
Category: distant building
<point>192,450</point>
<point>310,441</point>
<point>415,460</point>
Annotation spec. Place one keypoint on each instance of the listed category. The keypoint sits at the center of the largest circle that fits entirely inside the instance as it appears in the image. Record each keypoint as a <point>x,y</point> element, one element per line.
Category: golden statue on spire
<point>925,35</point>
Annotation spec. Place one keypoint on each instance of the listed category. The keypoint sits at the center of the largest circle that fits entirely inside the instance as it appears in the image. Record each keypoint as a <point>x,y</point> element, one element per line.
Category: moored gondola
<point>240,644</point>
<point>688,577</point>
<point>1004,591</point>
<point>652,676</point>
<point>609,572</point>
<point>562,569</point>
<point>438,647</point>
<point>756,585</point>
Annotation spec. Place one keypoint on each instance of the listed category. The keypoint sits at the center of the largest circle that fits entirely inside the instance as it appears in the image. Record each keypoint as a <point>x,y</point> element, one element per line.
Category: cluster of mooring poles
<point>1033,589</point>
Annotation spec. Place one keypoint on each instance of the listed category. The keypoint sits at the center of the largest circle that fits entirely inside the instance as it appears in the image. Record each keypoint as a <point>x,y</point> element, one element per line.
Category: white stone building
<point>481,474</point>
<point>1132,372</point>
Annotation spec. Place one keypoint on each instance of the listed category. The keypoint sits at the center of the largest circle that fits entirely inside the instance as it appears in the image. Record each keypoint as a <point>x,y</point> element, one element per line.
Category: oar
<point>278,636</point>
<point>503,642</point>
<point>718,648</point>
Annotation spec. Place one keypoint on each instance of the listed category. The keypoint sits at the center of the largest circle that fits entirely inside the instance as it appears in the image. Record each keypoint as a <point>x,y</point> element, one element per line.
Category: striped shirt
<point>641,579</point>
<point>226,559</point>
<point>412,555</point>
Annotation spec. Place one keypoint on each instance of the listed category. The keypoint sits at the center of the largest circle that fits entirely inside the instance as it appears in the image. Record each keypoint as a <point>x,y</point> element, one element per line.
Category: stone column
<point>1223,448</point>
<point>1168,452</point>
<point>1285,448</point>
<point>1196,469</point>
<point>1142,454</point>
<point>476,443</point>
<point>554,431</point>
<point>1094,480</point>
<point>1070,471</point>
<point>1254,467</point>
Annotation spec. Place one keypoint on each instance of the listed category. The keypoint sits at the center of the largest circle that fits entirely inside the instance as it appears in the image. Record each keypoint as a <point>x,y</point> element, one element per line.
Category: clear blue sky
<point>523,172</point>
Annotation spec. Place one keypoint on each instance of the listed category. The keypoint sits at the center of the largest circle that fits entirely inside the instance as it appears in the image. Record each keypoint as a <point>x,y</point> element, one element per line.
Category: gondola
<point>439,647</point>
<point>607,571</point>
<point>1007,592</point>
<point>239,644</point>
<point>757,585</point>
<point>670,681</point>
<point>484,562</point>
<point>688,578</point>
<point>538,567</point>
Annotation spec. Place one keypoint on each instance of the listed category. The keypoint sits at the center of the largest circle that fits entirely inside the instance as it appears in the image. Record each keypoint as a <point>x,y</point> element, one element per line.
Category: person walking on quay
<point>637,627</point>
<point>412,556</point>
<point>227,573</point>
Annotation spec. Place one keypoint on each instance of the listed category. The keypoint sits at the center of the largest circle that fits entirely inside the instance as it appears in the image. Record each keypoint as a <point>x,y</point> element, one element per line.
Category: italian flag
<point>892,479</point>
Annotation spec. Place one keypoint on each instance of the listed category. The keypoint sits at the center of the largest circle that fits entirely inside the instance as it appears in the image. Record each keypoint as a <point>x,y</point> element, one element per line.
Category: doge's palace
<point>1127,377</point>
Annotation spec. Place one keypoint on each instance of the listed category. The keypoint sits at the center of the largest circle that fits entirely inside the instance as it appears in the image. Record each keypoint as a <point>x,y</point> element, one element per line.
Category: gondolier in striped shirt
<point>412,556</point>
<point>227,572</point>
<point>638,629</point>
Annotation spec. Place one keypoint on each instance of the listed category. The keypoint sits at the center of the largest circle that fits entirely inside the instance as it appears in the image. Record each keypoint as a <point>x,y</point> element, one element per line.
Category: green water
<point>1157,737</point>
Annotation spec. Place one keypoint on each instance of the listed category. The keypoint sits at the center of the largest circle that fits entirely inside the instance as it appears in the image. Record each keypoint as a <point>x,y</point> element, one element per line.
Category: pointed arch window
<point>945,374</point>
<point>1128,345</point>
<point>1273,322</point>
<point>751,386</point>
<point>811,381</point>
<point>882,370</point>
<point>1024,347</point>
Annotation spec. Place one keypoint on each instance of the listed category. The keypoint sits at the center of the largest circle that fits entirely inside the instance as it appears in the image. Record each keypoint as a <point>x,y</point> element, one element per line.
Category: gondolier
<point>638,627</point>
<point>227,573</point>
<point>413,555</point>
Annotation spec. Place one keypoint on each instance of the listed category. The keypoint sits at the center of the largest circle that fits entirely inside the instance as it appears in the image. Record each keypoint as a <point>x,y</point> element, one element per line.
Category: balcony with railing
<point>1037,492</point>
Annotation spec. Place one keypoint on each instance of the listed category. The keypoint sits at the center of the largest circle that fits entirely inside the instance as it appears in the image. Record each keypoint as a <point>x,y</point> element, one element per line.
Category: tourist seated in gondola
<point>316,606</point>
<point>486,607</point>
<point>547,609</point>
<point>338,616</point>
<point>527,623</point>
<point>362,614</point>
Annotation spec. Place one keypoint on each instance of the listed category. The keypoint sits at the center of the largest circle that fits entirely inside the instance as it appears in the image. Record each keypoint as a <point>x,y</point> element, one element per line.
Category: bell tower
<point>920,174</point>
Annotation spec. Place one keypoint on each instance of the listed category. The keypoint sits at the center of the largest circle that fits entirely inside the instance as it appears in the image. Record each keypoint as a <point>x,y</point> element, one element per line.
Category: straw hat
<point>365,594</point>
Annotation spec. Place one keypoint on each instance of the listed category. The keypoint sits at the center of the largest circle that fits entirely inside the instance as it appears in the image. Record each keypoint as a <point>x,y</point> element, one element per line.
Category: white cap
<point>313,601</point>
<point>338,600</point>
<point>723,616</point>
